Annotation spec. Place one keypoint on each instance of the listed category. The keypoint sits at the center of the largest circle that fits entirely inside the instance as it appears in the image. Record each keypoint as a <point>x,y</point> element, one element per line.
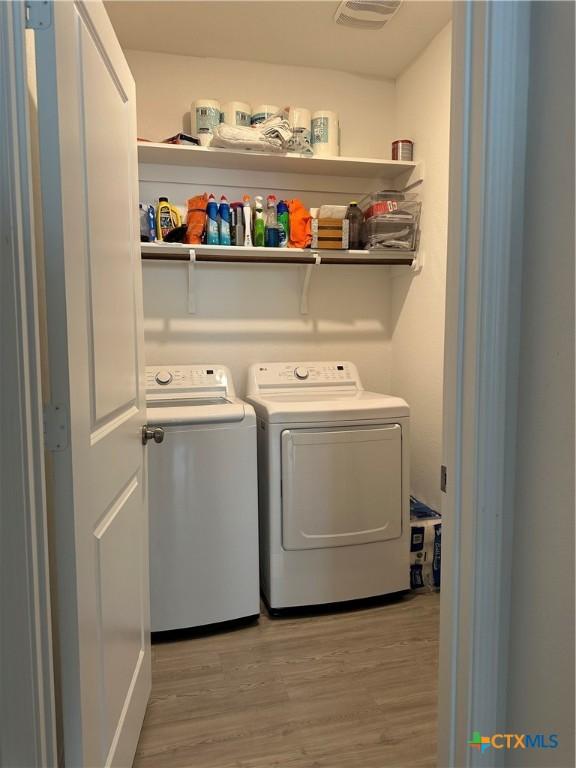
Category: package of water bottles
<point>425,546</point>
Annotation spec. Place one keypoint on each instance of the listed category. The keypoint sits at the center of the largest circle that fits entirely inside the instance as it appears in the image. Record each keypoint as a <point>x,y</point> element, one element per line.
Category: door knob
<point>152,433</point>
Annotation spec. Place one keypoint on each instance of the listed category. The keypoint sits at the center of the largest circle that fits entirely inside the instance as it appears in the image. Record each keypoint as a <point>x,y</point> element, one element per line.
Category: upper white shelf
<point>235,159</point>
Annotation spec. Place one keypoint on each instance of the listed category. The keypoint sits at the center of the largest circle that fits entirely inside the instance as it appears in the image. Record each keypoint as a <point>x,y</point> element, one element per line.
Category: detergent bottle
<point>212,237</point>
<point>167,218</point>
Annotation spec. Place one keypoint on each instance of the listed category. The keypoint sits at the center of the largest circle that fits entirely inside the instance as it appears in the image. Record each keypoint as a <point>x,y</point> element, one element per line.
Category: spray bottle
<point>259,224</point>
<point>212,222</point>
<point>247,222</point>
<point>272,238</point>
<point>224,211</point>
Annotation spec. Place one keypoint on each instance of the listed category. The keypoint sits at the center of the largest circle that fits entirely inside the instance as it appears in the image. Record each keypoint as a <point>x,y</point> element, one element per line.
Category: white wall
<point>418,302</point>
<point>166,85</point>
<point>250,313</point>
<point>541,660</point>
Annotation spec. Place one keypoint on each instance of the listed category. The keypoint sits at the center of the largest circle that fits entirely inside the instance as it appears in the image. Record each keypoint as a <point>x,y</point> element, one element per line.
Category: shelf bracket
<point>418,263</point>
<point>192,282</point>
<point>306,283</point>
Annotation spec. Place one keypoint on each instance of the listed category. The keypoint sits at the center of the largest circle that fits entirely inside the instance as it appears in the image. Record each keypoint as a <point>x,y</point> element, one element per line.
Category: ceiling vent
<point>366,14</point>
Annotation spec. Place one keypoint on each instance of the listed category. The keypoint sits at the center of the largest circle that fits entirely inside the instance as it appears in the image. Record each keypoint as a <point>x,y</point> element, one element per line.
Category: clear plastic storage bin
<point>391,221</point>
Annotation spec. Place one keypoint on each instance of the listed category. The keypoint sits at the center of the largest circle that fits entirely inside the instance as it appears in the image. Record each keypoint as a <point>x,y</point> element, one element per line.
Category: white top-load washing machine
<point>203,498</point>
<point>334,484</point>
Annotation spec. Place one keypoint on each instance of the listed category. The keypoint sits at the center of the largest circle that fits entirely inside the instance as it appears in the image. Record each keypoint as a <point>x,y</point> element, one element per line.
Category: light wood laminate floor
<point>354,689</point>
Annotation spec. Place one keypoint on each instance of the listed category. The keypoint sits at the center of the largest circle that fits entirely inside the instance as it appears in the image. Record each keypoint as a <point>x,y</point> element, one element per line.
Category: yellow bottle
<point>167,218</point>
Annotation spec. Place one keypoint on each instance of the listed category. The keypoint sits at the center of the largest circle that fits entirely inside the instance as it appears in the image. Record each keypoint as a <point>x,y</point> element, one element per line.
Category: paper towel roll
<point>237,113</point>
<point>204,115</point>
<point>263,112</point>
<point>325,133</point>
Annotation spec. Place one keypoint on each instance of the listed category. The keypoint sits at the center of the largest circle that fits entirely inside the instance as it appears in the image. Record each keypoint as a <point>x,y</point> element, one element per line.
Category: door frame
<point>490,74</point>
<point>490,66</point>
<point>27,703</point>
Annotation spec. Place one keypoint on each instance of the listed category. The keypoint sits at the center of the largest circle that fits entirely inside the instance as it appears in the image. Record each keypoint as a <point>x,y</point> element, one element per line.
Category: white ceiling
<point>278,32</point>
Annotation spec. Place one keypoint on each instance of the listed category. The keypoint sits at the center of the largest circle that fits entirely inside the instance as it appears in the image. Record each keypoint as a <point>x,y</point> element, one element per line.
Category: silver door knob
<point>152,433</point>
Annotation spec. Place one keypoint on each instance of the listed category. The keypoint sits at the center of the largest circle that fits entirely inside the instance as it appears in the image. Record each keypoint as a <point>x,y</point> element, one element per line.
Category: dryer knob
<point>163,377</point>
<point>301,373</point>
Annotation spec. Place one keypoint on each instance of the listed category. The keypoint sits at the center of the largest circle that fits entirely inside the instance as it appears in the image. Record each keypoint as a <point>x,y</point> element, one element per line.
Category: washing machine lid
<point>193,394</point>
<point>326,406</point>
<point>196,410</point>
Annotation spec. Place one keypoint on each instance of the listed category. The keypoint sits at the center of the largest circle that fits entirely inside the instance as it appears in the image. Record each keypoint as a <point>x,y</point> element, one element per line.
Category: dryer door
<point>341,486</point>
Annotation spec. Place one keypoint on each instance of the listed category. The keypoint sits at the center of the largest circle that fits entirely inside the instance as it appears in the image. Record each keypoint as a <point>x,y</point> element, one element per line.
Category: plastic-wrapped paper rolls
<point>263,112</point>
<point>204,116</point>
<point>299,120</point>
<point>237,113</point>
<point>325,133</point>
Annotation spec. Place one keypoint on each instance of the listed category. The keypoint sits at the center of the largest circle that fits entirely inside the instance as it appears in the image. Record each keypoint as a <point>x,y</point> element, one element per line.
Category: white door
<point>341,486</point>
<point>87,134</point>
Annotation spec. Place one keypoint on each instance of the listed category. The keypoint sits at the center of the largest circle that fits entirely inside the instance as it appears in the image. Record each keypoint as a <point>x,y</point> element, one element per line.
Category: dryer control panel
<point>187,378</point>
<point>302,374</point>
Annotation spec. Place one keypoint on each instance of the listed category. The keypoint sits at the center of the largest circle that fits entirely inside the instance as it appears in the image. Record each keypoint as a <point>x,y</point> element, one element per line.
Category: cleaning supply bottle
<point>144,227</point>
<point>247,222</point>
<point>167,218</point>
<point>355,231</point>
<point>224,212</point>
<point>237,215</point>
<point>151,223</point>
<point>272,236</point>
<point>283,223</point>
<point>212,222</point>
<point>259,223</point>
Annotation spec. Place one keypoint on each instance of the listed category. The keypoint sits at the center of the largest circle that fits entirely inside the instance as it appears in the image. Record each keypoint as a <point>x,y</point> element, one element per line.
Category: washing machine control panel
<point>188,377</point>
<point>301,374</point>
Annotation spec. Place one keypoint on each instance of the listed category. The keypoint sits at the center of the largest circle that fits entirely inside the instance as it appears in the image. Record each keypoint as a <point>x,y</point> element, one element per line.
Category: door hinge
<point>38,14</point>
<point>55,427</point>
<point>443,474</point>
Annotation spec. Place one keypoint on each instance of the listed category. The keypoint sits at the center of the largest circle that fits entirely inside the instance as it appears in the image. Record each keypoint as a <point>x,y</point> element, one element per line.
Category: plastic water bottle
<point>224,211</point>
<point>212,237</point>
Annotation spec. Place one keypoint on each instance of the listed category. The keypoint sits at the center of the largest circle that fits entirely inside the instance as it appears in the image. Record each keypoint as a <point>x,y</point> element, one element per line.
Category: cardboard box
<point>330,234</point>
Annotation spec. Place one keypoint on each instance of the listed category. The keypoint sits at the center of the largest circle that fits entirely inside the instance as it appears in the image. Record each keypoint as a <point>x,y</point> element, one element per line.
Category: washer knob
<point>163,377</point>
<point>301,373</point>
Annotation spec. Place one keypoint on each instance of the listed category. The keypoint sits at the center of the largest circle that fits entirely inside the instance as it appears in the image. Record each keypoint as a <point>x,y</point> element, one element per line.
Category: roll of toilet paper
<point>263,112</point>
<point>237,113</point>
<point>204,116</point>
<point>325,133</point>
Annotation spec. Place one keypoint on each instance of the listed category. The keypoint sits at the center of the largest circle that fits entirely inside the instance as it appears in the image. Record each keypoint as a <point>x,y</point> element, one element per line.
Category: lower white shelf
<point>236,254</point>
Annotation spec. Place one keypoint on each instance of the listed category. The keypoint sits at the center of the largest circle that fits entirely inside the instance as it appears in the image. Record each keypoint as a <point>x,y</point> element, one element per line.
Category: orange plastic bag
<point>196,219</point>
<point>300,225</point>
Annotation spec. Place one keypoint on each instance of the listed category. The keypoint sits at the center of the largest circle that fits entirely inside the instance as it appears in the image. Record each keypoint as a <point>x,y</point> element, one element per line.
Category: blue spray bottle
<point>151,223</point>
<point>212,222</point>
<point>224,211</point>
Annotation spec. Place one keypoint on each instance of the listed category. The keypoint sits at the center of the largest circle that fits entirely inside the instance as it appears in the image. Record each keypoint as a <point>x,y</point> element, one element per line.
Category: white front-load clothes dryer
<point>203,499</point>
<point>334,493</point>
